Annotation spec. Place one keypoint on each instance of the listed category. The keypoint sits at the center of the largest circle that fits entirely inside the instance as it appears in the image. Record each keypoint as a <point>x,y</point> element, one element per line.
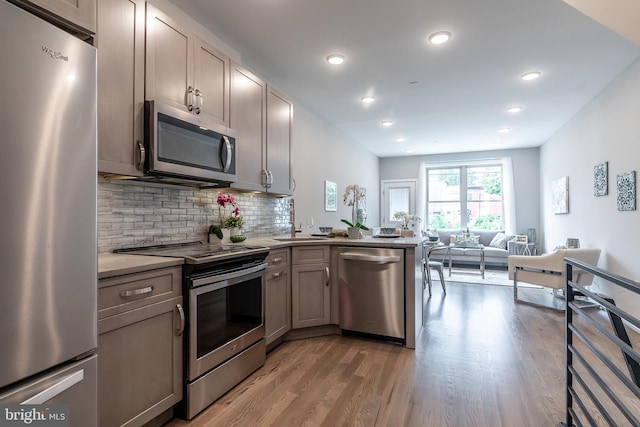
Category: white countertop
<point>110,264</point>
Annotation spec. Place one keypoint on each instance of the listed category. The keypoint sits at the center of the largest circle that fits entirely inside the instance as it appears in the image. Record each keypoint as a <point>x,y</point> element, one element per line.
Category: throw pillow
<point>500,241</point>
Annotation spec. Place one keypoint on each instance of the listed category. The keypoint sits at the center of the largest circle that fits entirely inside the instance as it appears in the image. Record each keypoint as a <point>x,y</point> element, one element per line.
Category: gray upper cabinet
<point>120,44</point>
<point>248,118</point>
<point>78,14</point>
<point>184,71</point>
<point>279,162</point>
<point>262,117</point>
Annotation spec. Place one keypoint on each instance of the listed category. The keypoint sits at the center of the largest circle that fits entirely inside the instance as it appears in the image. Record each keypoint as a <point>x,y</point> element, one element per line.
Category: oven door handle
<point>228,276</point>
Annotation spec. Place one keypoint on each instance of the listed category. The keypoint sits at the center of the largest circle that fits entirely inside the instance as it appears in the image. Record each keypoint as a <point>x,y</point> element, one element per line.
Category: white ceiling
<point>464,87</point>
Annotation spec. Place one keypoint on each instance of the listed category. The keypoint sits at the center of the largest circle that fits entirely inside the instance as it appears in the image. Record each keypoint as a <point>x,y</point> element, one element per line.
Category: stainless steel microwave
<point>183,146</point>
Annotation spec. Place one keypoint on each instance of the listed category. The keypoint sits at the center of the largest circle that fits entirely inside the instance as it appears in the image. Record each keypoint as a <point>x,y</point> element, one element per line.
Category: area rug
<point>469,275</point>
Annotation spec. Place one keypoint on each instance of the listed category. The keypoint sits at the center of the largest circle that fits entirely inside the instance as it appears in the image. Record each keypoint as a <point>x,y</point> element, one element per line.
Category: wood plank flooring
<point>481,361</point>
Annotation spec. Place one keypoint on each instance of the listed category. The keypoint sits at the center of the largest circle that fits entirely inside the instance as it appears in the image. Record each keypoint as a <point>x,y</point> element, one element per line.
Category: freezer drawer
<point>74,385</point>
<point>371,284</point>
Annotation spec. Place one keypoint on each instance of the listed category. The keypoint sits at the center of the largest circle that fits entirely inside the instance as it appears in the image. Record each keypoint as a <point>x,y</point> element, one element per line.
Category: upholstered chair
<point>549,270</point>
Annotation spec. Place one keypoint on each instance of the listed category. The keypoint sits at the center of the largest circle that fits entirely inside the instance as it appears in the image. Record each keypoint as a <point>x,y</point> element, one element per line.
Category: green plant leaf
<point>215,229</point>
<point>346,222</point>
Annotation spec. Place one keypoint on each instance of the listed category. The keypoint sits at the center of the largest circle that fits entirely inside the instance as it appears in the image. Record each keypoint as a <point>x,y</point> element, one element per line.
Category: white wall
<point>608,129</point>
<point>322,154</point>
<point>525,174</point>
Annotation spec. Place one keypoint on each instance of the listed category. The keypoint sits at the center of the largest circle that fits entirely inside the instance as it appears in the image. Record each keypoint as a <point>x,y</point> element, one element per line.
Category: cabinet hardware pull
<point>49,393</point>
<point>180,329</point>
<point>326,269</point>
<point>277,274</point>
<point>199,101</point>
<point>295,184</point>
<point>133,292</point>
<point>277,259</point>
<point>190,99</point>
<point>141,154</point>
<point>269,178</point>
<point>265,178</point>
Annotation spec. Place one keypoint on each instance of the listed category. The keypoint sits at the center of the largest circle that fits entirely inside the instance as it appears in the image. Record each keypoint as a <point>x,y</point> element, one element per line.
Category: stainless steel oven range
<point>223,288</point>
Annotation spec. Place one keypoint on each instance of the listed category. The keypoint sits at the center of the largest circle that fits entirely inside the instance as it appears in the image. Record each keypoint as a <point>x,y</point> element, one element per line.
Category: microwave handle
<point>228,152</point>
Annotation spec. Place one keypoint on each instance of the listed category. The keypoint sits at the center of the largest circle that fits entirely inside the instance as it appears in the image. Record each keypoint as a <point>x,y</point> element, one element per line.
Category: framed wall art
<point>601,179</point>
<point>330,196</point>
<point>626,183</point>
<point>560,195</point>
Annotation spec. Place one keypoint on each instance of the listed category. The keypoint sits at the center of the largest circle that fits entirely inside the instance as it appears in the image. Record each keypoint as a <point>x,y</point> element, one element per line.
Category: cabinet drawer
<point>278,258</point>
<point>119,294</point>
<point>310,255</point>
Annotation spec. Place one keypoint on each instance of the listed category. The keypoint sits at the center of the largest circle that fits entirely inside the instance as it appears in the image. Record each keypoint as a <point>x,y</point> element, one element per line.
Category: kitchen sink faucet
<point>292,216</point>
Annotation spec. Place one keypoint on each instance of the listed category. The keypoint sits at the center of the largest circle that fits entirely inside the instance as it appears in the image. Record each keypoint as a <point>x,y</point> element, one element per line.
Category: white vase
<point>227,232</point>
<point>353,232</point>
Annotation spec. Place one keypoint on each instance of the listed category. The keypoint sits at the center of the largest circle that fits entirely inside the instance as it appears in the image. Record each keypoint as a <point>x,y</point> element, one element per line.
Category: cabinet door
<point>120,44</point>
<point>248,118</point>
<point>310,294</point>
<point>277,304</point>
<point>211,82</point>
<point>78,12</point>
<point>139,364</point>
<point>279,159</point>
<point>169,74</point>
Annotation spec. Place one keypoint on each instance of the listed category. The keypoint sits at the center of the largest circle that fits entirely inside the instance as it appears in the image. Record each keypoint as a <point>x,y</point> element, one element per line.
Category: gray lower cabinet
<point>278,295</point>
<point>310,286</point>
<point>140,325</point>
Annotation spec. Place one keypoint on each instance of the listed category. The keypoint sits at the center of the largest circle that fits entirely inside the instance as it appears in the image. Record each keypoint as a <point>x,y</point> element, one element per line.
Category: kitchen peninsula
<point>110,265</point>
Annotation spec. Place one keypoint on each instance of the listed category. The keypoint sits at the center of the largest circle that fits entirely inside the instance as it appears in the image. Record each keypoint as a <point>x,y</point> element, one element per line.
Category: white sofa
<point>493,257</point>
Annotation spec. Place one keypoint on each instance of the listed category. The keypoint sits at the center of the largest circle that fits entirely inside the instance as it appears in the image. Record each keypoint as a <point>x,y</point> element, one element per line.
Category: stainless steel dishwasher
<point>371,284</point>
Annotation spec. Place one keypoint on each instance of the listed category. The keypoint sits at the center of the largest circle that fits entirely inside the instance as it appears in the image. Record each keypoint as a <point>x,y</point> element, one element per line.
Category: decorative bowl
<point>325,230</point>
<point>387,230</point>
<point>237,238</point>
<point>433,238</point>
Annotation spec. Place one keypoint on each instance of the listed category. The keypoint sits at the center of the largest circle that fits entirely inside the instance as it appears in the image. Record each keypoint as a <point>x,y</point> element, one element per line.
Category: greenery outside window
<point>465,196</point>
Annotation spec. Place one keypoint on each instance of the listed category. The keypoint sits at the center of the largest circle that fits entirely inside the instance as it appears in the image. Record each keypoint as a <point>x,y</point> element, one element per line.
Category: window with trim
<point>465,196</point>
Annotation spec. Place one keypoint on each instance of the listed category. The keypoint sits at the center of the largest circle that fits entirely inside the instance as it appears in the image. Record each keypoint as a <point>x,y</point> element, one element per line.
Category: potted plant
<point>350,198</point>
<point>406,219</point>
<point>230,220</point>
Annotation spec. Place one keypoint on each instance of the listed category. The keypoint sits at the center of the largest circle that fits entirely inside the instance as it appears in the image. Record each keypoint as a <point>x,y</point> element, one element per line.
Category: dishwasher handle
<point>377,259</point>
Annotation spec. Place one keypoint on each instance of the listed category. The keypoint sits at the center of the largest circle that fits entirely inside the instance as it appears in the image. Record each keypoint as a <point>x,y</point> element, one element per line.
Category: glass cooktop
<point>196,252</point>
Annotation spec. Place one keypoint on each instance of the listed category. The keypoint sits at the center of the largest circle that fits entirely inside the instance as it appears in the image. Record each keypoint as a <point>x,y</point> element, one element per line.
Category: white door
<point>397,196</point>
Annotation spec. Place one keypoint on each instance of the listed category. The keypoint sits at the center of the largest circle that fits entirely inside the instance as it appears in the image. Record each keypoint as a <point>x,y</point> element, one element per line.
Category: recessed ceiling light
<point>514,109</point>
<point>367,99</point>
<point>531,75</point>
<point>335,59</point>
<point>408,150</point>
<point>504,130</point>
<point>439,37</point>
<point>386,123</point>
<point>399,139</point>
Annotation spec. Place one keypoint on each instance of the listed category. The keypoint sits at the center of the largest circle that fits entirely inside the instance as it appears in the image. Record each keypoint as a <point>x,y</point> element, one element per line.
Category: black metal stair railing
<point>599,390</point>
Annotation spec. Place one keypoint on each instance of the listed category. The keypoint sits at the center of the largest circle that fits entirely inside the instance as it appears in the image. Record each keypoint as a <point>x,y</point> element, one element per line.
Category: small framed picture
<point>330,196</point>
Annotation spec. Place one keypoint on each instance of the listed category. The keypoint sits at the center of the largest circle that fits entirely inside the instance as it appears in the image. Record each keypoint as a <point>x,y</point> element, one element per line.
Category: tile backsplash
<point>131,214</point>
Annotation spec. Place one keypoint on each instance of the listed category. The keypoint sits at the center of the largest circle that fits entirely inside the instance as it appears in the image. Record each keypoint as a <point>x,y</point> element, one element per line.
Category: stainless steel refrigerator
<point>48,263</point>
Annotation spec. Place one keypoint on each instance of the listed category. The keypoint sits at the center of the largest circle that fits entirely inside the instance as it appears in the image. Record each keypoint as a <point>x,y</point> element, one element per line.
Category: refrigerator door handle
<point>63,385</point>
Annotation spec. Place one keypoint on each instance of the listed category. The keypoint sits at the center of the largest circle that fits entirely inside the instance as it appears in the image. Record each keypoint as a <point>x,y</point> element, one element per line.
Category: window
<point>465,196</point>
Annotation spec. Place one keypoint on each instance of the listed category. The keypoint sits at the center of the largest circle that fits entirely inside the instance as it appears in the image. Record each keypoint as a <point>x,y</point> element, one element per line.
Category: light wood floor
<point>481,361</point>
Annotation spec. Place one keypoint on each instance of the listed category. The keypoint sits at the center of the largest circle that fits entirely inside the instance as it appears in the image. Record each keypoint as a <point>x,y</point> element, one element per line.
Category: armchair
<point>549,270</point>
